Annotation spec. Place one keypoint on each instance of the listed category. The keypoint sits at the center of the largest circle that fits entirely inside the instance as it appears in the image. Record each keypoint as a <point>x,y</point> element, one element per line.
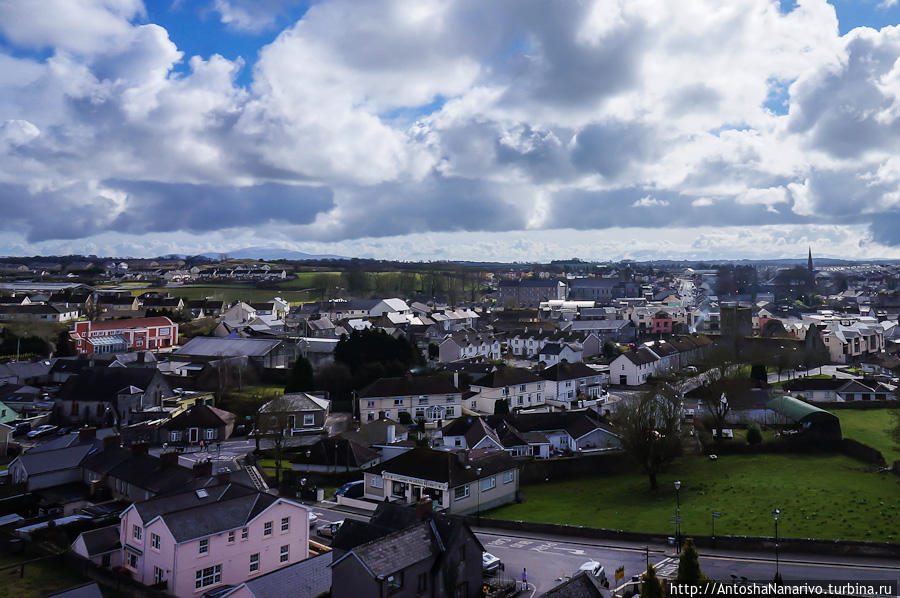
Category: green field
<point>870,426</point>
<point>828,496</point>
<point>228,293</point>
<point>41,578</point>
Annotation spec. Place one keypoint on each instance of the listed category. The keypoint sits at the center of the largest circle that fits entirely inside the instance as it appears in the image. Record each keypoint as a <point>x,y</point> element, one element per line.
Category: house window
<point>254,562</point>
<point>207,576</point>
<point>394,582</point>
<point>423,400</point>
<point>285,554</point>
<point>157,575</point>
<point>309,419</point>
<point>450,398</point>
<point>174,436</point>
<point>461,492</point>
<point>210,433</point>
<point>376,482</point>
<point>132,560</point>
<point>488,483</point>
<point>267,528</point>
<point>458,442</point>
<point>398,489</point>
<point>370,404</point>
<point>244,533</point>
<point>285,524</point>
<point>398,402</point>
<point>231,537</point>
<point>448,412</point>
<point>522,388</point>
<point>204,546</point>
<point>420,413</point>
<point>370,416</point>
<point>136,532</point>
<point>508,476</point>
<point>154,541</point>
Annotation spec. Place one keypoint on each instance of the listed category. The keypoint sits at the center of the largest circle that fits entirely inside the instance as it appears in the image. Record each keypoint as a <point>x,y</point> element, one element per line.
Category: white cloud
<point>649,202</point>
<point>419,116</point>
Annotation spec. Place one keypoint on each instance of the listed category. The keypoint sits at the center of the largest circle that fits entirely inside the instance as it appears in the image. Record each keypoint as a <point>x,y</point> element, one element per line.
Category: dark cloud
<point>71,212</point>
<point>885,229</point>
<point>610,148</point>
<point>162,207</point>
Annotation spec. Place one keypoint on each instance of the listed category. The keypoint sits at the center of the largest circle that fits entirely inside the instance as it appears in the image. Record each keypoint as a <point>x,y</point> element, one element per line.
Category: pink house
<point>223,535</point>
<point>662,323</point>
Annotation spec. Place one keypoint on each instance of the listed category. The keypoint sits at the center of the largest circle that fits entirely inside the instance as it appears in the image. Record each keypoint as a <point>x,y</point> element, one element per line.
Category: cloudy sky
<point>451,129</point>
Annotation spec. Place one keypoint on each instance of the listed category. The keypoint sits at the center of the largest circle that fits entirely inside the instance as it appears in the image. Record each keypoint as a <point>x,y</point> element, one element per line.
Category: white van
<point>595,569</point>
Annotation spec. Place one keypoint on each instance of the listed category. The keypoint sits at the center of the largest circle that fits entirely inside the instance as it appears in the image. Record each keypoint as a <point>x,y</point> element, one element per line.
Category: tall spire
<point>809,265</point>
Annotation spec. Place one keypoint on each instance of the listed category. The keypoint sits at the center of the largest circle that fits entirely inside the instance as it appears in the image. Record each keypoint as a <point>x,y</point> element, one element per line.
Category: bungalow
<point>457,482</point>
<point>200,422</point>
<point>335,455</point>
<point>224,535</point>
<point>838,389</point>
<point>38,312</point>
<point>101,546</point>
<point>301,413</point>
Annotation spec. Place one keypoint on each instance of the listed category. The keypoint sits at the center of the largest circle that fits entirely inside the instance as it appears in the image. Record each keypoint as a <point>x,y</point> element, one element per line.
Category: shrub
<point>754,434</point>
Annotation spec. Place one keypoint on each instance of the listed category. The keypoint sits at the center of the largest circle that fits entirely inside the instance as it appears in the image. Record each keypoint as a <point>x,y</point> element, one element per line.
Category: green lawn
<point>228,293</point>
<point>41,578</point>
<point>870,426</point>
<point>819,496</point>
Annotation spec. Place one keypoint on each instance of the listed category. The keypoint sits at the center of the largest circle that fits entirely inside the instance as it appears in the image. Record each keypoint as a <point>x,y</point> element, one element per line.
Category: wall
<point>538,470</point>
<point>501,494</point>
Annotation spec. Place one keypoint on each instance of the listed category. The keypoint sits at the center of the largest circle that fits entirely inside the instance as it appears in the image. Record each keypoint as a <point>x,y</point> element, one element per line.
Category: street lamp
<point>678,516</point>
<point>775,515</point>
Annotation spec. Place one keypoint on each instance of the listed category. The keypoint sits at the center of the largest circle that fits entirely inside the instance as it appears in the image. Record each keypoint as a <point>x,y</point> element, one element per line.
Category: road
<point>827,370</point>
<point>548,559</point>
<point>222,455</point>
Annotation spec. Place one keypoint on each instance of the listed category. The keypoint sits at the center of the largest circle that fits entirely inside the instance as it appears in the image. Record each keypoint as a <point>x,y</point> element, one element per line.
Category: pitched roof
<point>296,401</point>
<point>101,540</point>
<point>411,386</point>
<point>131,323</point>
<point>200,416</point>
<point>506,376</point>
<point>582,585</point>
<point>640,356</point>
<point>55,460</point>
<point>88,590</point>
<point>194,514</point>
<point>307,579</point>
<point>336,451</point>
<point>397,550</point>
<point>568,371</point>
<point>446,466</point>
<point>104,383</point>
<point>212,346</point>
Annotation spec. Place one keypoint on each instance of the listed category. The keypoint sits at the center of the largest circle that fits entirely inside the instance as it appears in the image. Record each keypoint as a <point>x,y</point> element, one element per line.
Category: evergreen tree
<point>689,564</point>
<point>301,377</point>
<point>650,584</point>
<point>754,434</point>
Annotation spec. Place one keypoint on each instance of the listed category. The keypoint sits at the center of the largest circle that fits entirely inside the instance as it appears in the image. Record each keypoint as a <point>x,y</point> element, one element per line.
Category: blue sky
<point>451,129</point>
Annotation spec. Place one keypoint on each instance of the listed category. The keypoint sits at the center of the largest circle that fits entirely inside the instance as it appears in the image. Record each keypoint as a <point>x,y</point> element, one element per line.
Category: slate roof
<point>801,384</point>
<point>582,585</point>
<point>101,540</point>
<point>408,386</point>
<point>88,590</point>
<point>640,356</point>
<point>104,383</point>
<point>336,451</point>
<point>398,550</point>
<point>56,460</point>
<point>188,515</point>
<point>211,346</point>
<point>131,323</point>
<point>568,371</point>
<point>307,579</point>
<point>506,377</point>
<point>200,416</point>
<point>297,401</point>
<point>446,466</point>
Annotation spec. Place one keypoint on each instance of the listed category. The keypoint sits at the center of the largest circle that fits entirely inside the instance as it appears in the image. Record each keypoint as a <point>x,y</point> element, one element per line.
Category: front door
<point>416,493</point>
<point>193,435</point>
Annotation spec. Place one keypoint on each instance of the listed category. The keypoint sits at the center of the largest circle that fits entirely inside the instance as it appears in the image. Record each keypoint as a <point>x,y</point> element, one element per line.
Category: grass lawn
<point>819,496</point>
<point>41,578</point>
<point>870,427</point>
<point>228,293</point>
<point>268,466</point>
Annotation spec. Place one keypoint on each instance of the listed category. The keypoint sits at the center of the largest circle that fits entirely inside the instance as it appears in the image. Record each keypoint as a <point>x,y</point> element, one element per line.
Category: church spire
<point>809,265</point>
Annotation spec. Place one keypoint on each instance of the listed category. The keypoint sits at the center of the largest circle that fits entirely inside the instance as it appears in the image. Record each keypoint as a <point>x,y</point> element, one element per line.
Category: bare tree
<point>274,420</point>
<point>718,410</point>
<point>650,429</point>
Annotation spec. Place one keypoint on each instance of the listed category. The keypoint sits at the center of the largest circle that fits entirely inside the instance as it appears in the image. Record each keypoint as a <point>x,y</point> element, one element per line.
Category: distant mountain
<point>272,253</point>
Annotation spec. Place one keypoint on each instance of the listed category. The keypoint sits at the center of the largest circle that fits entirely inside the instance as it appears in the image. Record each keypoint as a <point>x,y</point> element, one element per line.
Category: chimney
<point>111,441</point>
<point>169,459</point>
<point>85,434</point>
<point>223,477</point>
<point>424,508</point>
<point>203,469</point>
<point>139,449</point>
<point>391,434</point>
<point>456,379</point>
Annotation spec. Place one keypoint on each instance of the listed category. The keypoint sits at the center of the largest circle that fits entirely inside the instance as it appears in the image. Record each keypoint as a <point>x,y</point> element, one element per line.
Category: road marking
<point>506,538</point>
<point>804,563</point>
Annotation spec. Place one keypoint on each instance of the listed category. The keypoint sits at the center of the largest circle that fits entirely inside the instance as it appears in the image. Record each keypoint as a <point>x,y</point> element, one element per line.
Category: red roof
<point>132,323</point>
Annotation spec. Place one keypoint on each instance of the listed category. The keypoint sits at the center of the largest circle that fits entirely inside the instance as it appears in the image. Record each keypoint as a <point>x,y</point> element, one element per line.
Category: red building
<point>662,323</point>
<point>118,336</point>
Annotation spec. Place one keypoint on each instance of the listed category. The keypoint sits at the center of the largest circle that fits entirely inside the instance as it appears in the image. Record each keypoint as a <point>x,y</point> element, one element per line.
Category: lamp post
<point>678,516</point>
<point>775,515</point>
<point>478,495</point>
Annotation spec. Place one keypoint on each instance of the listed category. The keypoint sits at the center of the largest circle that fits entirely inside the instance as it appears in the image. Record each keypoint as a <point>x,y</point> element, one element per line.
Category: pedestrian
<point>524,580</point>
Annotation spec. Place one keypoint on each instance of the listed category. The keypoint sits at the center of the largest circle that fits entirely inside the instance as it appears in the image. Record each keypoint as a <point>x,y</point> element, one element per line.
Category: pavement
<point>827,370</point>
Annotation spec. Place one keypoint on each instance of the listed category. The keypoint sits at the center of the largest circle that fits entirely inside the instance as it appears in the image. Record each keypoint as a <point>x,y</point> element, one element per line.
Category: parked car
<point>42,431</point>
<point>329,530</point>
<point>490,563</point>
<point>691,369</point>
<point>351,489</point>
<point>313,519</point>
<point>239,430</point>
<point>595,569</point>
<point>63,431</point>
